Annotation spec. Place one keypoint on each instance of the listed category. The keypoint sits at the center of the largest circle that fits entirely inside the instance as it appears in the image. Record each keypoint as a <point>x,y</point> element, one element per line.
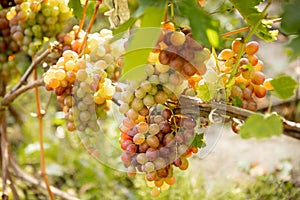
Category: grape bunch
<point>249,79</point>
<point>81,90</point>
<point>31,22</point>
<point>12,63</point>
<point>81,82</point>
<point>156,145</point>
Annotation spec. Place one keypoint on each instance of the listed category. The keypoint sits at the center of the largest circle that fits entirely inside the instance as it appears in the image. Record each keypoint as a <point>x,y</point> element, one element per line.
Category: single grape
<point>226,54</point>
<point>251,48</point>
<point>177,38</point>
<point>236,46</point>
<point>258,78</point>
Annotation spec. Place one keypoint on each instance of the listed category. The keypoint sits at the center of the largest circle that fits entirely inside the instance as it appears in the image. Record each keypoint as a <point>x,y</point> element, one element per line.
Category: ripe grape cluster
<point>25,26</point>
<point>249,79</point>
<point>31,22</point>
<point>156,145</point>
<point>81,82</point>
<point>8,47</point>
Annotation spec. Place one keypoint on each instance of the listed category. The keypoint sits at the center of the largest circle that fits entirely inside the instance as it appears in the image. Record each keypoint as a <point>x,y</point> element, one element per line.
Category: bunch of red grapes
<point>249,78</point>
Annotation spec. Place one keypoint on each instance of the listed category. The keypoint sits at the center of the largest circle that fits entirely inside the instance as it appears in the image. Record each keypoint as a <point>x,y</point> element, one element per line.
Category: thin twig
<point>240,30</point>
<point>4,146</point>
<point>244,29</point>
<point>4,155</point>
<point>82,47</point>
<point>82,18</point>
<point>13,188</point>
<point>42,155</point>
<point>36,182</point>
<point>33,65</point>
<point>10,97</point>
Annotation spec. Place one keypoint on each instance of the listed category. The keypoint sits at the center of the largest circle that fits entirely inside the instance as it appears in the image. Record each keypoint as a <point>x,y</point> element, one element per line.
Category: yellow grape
<point>99,100</point>
<point>60,74</point>
<point>150,183</point>
<point>70,65</point>
<point>142,127</point>
<point>268,85</point>
<point>177,38</point>
<point>82,75</point>
<point>226,54</point>
<point>139,138</point>
<point>259,66</point>
<point>155,192</point>
<point>54,83</point>
<point>165,186</point>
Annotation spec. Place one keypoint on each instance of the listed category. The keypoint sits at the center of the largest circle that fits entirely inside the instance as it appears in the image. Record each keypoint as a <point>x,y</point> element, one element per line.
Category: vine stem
<point>82,18</point>
<point>82,47</point>
<point>42,154</point>
<point>4,145</point>
<point>172,11</point>
<point>4,155</point>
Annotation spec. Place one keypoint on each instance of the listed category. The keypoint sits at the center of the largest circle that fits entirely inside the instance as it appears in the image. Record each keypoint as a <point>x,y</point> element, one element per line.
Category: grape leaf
<point>284,86</point>
<point>125,26</point>
<point>90,8</point>
<point>143,4</point>
<point>77,8</point>
<point>260,126</point>
<point>198,141</point>
<point>290,25</point>
<point>203,92</point>
<point>294,46</point>
<point>142,42</point>
<point>205,29</point>
<point>247,8</point>
<point>290,18</point>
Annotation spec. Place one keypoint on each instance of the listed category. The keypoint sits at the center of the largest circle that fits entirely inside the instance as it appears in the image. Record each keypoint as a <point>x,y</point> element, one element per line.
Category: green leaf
<point>77,8</point>
<point>142,42</point>
<point>248,10</point>
<point>284,86</point>
<point>198,141</point>
<point>152,3</point>
<point>294,46</point>
<point>90,8</point>
<point>205,29</point>
<point>290,18</point>
<point>125,26</point>
<point>203,92</point>
<point>260,126</point>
